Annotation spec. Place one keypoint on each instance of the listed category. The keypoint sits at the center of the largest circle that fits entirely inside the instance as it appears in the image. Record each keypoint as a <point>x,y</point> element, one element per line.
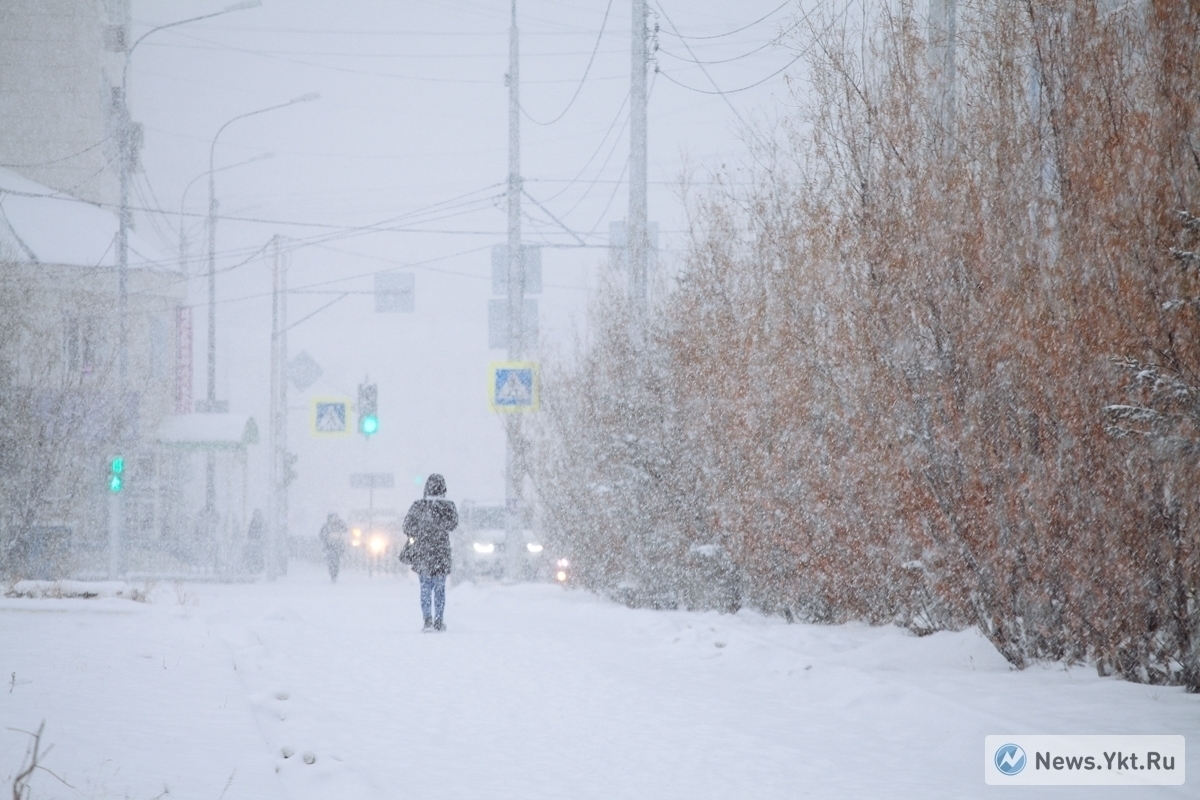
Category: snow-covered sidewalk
<point>305,689</point>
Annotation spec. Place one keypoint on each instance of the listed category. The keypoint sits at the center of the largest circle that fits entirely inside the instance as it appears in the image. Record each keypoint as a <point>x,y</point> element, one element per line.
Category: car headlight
<point>562,562</point>
<point>484,547</point>
<point>378,544</point>
<point>562,576</point>
<point>533,548</point>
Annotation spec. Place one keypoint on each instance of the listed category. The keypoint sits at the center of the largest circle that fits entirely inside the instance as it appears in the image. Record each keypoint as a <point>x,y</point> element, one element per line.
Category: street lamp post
<point>183,239</point>
<point>210,404</point>
<point>125,145</point>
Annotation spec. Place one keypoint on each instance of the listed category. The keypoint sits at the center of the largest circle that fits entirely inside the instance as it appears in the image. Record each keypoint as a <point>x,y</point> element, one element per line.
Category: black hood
<point>435,486</point>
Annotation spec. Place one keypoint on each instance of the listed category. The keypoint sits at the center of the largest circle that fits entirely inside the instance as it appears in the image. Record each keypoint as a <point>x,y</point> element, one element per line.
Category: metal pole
<point>124,142</point>
<point>211,371</point>
<point>212,241</point>
<point>210,406</point>
<point>638,225</point>
<point>114,535</point>
<point>282,546</point>
<point>516,301</point>
<point>275,468</point>
<point>276,555</point>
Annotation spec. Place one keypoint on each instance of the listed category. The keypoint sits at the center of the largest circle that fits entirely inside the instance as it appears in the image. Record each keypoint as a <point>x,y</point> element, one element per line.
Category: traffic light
<point>368,409</point>
<point>116,474</point>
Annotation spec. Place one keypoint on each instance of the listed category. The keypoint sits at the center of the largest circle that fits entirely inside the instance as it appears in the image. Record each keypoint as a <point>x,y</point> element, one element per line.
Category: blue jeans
<point>433,585</point>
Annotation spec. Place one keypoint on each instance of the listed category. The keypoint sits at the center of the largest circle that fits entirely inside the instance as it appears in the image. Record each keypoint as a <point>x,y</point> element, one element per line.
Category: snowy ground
<point>533,692</point>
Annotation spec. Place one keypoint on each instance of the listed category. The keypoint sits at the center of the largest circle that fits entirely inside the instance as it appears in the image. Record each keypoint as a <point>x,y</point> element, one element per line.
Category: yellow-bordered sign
<point>513,386</point>
<point>330,416</point>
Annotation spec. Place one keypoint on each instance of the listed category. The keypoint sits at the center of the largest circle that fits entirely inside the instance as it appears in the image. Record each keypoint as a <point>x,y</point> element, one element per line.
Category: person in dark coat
<point>428,525</point>
<point>333,542</point>
<point>252,553</point>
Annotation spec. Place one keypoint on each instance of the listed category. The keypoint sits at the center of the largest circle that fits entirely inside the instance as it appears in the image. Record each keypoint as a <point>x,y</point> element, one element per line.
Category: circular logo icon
<point>1010,759</point>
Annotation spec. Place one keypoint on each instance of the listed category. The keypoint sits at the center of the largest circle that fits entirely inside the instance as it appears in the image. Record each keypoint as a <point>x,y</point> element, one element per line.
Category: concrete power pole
<point>276,544</point>
<point>637,227</point>
<point>943,33</point>
<point>513,462</point>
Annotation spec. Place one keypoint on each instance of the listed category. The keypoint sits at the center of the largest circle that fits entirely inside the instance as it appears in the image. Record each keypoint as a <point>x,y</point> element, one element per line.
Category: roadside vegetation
<point>932,357</point>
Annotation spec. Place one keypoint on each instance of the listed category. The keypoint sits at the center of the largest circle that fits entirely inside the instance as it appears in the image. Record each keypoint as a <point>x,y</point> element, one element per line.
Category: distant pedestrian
<point>333,542</point>
<point>428,525</point>
<point>252,553</point>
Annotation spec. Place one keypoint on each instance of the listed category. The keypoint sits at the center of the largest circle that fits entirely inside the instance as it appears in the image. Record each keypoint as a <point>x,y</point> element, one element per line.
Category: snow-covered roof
<point>41,225</point>
<point>208,431</point>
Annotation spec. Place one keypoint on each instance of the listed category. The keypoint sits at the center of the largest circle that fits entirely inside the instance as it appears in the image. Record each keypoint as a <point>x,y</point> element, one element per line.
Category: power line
<point>352,54</point>
<point>58,160</point>
<point>679,35</point>
<point>582,80</point>
<point>758,49</point>
<point>373,73</point>
<point>728,91</point>
<point>603,139</point>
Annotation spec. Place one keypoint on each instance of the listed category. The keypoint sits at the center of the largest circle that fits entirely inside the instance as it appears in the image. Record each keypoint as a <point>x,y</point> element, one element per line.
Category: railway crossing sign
<point>513,386</point>
<point>330,416</point>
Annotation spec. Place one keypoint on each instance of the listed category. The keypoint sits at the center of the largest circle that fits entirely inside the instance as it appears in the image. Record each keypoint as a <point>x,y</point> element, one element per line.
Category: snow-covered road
<point>214,691</point>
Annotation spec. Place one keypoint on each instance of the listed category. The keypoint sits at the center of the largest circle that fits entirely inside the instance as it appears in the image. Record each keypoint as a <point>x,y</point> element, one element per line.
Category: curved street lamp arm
<point>213,147</point>
<point>226,10</point>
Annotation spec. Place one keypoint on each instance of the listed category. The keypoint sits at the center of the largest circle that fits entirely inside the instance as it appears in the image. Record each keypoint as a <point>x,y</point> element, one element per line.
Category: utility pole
<point>637,227</point>
<point>513,466</point>
<point>276,555</point>
<point>125,157</point>
<point>943,33</point>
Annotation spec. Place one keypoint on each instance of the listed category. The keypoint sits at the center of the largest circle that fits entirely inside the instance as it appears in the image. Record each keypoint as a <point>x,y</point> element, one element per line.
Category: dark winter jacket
<point>428,523</point>
<point>333,535</point>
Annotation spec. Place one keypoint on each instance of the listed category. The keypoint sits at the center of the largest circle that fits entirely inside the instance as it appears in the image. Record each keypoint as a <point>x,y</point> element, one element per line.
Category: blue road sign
<point>513,386</point>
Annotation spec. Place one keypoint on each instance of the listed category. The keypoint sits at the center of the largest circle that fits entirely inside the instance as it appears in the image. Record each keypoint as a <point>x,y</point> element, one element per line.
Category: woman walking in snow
<point>428,525</point>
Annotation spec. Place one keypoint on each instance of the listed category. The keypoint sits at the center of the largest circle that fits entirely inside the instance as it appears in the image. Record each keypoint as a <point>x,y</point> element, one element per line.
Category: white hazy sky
<point>413,114</point>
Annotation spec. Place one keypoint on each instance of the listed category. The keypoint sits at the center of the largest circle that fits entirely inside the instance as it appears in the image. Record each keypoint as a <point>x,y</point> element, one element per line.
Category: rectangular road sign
<point>513,386</point>
<point>330,416</point>
<point>372,480</point>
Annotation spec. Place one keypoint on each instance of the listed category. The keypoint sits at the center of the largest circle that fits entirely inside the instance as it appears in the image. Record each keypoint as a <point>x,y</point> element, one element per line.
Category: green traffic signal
<point>116,475</point>
<point>370,424</point>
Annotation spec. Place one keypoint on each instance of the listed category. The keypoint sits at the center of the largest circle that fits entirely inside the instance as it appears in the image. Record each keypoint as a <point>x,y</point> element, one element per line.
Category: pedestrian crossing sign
<point>513,386</point>
<point>330,416</point>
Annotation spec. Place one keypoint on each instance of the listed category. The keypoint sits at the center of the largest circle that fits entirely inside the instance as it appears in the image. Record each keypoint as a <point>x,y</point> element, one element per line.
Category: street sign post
<point>513,386</point>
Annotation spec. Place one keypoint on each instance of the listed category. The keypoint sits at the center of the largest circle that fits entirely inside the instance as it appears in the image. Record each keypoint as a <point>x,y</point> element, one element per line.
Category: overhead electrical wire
<point>350,54</point>
<point>771,13</point>
<point>374,73</point>
<point>603,140</point>
<point>583,80</point>
<point>600,171</point>
<point>729,91</point>
<point>58,160</point>
<point>410,265</point>
<point>758,49</point>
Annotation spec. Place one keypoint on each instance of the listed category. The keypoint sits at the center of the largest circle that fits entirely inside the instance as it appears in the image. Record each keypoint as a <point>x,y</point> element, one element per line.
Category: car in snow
<point>374,539</point>
<point>480,545</point>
